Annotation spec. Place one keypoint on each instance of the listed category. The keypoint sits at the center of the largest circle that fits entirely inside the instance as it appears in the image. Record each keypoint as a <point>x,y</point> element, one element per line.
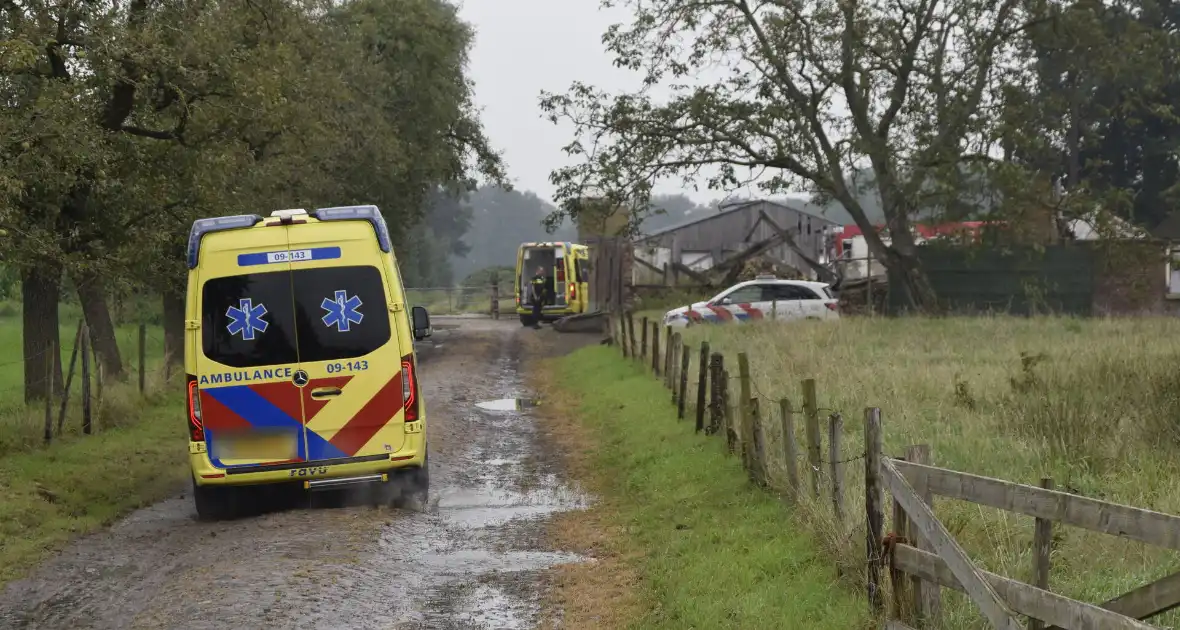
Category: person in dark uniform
<point>537,286</point>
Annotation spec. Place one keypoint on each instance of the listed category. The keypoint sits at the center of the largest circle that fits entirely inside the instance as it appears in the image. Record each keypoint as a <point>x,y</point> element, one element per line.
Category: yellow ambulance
<point>565,267</point>
<point>299,358</point>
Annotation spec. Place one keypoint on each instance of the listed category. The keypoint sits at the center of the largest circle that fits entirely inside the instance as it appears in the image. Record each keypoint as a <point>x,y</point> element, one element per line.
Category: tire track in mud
<point>472,558</point>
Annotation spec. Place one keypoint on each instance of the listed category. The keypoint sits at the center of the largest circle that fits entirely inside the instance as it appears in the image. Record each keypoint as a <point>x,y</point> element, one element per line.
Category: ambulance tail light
<point>359,213</point>
<point>196,429</point>
<point>573,290</point>
<point>409,389</point>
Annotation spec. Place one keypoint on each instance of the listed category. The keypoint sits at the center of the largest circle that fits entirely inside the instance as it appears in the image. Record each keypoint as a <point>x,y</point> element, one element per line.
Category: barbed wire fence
<point>798,449</point>
<point>77,385</point>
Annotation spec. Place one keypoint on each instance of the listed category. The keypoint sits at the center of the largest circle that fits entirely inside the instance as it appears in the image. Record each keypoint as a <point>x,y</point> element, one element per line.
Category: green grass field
<point>80,483</point>
<point>21,428</point>
<point>716,553</point>
<point>1094,404</point>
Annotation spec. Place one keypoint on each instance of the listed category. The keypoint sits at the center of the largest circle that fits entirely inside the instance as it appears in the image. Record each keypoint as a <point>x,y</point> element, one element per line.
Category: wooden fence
<point>919,554</point>
<point>84,362</point>
<point>609,264</point>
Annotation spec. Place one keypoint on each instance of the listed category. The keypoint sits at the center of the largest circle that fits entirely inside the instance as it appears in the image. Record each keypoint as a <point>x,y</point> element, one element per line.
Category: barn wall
<point>727,232</point>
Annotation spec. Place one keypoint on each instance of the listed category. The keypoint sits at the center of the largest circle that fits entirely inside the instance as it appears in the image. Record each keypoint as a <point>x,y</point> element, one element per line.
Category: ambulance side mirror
<point>421,322</point>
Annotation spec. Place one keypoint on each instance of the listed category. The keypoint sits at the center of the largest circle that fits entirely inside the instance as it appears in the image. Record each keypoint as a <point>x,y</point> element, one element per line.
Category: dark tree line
<point>127,119</point>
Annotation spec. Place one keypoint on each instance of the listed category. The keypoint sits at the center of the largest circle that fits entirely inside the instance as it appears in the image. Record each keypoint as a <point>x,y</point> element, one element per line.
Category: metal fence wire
<point>466,300</point>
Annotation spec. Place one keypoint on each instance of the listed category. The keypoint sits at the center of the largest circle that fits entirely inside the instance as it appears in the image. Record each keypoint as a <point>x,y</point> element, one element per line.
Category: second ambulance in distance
<point>299,354</point>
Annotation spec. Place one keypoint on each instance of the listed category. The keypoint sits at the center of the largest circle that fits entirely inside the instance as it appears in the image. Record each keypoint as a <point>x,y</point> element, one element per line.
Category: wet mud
<point>472,557</point>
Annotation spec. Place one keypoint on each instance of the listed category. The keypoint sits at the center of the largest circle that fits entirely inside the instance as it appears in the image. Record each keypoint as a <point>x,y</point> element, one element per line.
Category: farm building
<point>702,243</point>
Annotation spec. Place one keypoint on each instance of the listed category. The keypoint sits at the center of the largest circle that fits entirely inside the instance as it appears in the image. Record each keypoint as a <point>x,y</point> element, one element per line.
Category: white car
<point>762,298</point>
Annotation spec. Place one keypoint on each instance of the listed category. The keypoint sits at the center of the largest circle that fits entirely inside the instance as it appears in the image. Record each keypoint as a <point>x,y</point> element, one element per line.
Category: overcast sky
<point>523,47</point>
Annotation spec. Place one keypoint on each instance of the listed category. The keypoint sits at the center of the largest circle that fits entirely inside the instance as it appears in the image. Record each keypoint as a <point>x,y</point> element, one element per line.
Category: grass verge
<point>80,483</point>
<point>689,542</point>
<point>1091,403</point>
<point>22,428</point>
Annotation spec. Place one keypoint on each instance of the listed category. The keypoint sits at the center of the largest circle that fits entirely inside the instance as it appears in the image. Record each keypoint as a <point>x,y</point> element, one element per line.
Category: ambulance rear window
<point>341,311</point>
<point>253,320</point>
<point>248,321</point>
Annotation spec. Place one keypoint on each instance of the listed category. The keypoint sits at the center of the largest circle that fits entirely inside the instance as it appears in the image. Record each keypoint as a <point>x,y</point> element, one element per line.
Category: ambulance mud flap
<point>332,484</point>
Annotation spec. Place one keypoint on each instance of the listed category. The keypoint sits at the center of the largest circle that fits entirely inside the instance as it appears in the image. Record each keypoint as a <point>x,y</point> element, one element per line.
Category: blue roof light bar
<point>359,213</point>
<point>201,227</point>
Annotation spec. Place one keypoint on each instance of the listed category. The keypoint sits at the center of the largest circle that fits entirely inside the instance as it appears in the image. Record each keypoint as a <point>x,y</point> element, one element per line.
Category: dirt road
<point>471,558</point>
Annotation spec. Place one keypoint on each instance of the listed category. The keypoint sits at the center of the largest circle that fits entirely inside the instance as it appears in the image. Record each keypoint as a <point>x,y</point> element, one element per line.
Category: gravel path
<point>472,558</point>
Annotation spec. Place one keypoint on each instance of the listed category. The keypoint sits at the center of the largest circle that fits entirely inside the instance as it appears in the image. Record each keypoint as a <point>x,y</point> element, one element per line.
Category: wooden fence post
<point>49,390</point>
<point>716,413</point>
<point>759,470</point>
<point>811,420</point>
<point>902,529</point>
<point>97,376</point>
<point>86,426</point>
<point>790,447</point>
<point>496,300</point>
<point>681,401</point>
<point>874,512</point>
<point>1042,546</point>
<point>65,397</point>
<point>677,341</point>
<point>631,335</point>
<point>927,595</point>
<point>669,347</point>
<point>624,340</point>
<point>655,349</point>
<point>643,342</point>
<point>702,384</point>
<point>835,430</point>
<point>743,410</point>
<point>727,414</point>
<point>142,358</point>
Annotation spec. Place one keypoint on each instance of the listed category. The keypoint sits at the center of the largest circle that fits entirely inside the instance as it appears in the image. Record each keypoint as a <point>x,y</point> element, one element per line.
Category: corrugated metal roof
<point>726,210</point>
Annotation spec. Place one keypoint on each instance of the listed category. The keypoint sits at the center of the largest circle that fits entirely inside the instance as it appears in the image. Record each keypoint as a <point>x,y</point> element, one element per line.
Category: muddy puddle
<point>508,404</point>
<point>474,558</point>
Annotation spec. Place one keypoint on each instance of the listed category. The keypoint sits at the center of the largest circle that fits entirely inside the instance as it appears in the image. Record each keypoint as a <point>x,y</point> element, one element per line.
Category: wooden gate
<point>610,264</point>
<point>924,550</point>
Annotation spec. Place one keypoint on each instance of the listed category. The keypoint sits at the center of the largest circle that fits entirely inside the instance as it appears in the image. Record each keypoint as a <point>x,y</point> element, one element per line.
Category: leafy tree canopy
<point>919,93</point>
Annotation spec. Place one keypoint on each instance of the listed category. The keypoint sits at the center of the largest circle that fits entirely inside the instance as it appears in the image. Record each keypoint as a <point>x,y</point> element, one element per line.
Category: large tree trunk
<point>909,288</point>
<point>102,329</point>
<point>173,329</point>
<point>40,293</point>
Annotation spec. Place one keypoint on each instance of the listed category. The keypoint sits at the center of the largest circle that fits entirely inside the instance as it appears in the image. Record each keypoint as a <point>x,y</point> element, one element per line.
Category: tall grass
<point>1094,404</point>
<point>22,428</point>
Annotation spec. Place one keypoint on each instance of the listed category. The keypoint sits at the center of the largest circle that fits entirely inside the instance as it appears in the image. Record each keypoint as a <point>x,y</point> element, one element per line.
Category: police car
<point>765,297</point>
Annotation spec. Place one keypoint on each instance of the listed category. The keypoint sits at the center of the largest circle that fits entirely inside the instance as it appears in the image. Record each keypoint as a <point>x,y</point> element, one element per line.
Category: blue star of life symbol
<point>342,311</point>
<point>246,319</point>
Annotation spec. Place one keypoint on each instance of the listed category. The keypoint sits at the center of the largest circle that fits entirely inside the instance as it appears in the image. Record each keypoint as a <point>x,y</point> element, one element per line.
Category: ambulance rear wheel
<point>214,503</point>
<point>527,320</point>
<point>416,486</point>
